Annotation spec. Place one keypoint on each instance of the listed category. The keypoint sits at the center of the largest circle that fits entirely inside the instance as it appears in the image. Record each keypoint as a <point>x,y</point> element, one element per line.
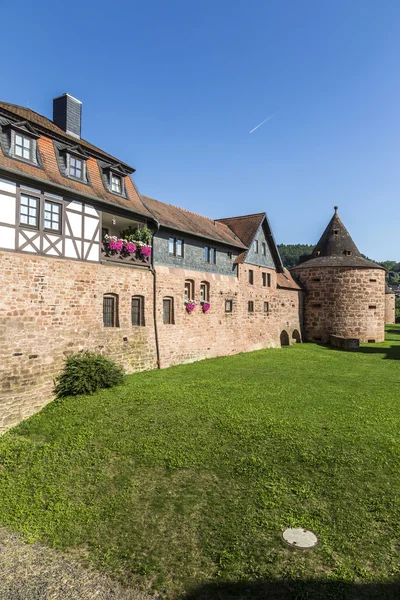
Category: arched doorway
<point>284,338</point>
<point>296,336</point>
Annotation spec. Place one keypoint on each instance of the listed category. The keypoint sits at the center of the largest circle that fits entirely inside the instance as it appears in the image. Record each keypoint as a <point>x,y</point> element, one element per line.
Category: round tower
<point>345,292</point>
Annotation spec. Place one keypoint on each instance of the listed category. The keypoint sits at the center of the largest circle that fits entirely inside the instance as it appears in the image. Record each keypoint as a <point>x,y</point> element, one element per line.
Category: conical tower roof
<point>337,249</point>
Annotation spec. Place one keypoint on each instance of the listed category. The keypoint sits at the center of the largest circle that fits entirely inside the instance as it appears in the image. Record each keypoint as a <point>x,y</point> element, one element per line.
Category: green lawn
<point>185,477</point>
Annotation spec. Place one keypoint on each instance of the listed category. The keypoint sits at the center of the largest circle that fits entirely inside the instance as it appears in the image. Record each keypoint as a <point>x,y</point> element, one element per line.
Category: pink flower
<point>190,306</point>
<point>205,306</point>
<point>115,244</point>
<point>145,250</point>
<point>130,247</point>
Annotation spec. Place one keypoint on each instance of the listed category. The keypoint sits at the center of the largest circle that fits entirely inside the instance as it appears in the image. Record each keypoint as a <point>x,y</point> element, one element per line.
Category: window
<point>138,311</point>
<point>348,252</point>
<point>372,306</point>
<point>266,279</point>
<point>23,147</point>
<point>75,167</point>
<point>266,307</point>
<point>210,254</point>
<point>116,183</point>
<point>168,311</point>
<point>251,276</point>
<point>189,290</point>
<point>316,305</point>
<point>52,216</point>
<point>373,280</point>
<point>110,310</point>
<point>228,306</point>
<point>250,306</point>
<point>256,246</point>
<point>264,248</point>
<point>204,291</point>
<point>29,211</point>
<point>175,247</point>
<point>229,255</point>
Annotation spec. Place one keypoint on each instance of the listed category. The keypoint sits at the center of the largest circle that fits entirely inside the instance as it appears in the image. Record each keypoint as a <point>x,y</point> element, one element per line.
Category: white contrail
<point>267,119</point>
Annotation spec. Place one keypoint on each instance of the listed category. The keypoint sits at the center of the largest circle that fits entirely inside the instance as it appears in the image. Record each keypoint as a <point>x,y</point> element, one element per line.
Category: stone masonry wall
<point>344,302</point>
<point>50,308</point>
<point>390,309</point>
<point>201,335</point>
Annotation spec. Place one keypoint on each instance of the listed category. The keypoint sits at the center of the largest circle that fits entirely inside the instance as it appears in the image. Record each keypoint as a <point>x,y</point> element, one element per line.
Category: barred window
<point>110,310</point>
<point>138,311</point>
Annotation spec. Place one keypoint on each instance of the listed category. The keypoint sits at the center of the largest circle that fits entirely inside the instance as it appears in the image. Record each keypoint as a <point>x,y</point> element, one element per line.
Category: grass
<point>181,480</point>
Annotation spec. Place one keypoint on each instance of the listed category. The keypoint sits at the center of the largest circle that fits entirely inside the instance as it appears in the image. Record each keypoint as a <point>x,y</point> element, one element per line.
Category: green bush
<point>84,373</point>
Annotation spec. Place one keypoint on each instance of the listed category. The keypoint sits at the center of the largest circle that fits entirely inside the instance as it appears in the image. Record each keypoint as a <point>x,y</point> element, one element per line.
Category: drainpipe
<point>152,269</point>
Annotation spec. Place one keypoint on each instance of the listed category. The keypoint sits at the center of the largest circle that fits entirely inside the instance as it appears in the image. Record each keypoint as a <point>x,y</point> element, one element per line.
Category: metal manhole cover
<point>299,538</point>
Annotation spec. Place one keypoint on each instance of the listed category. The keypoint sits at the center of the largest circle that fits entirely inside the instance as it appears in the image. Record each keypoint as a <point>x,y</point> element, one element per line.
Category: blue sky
<point>174,88</point>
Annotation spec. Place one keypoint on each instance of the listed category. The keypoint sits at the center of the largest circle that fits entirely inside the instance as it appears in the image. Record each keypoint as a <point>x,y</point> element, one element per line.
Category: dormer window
<point>116,184</point>
<point>347,252</point>
<point>75,167</point>
<point>21,140</point>
<point>23,146</point>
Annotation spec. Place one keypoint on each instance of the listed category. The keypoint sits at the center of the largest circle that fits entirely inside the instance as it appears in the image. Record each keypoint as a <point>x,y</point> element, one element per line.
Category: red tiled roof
<point>187,221</point>
<point>245,227</point>
<point>50,173</point>
<point>42,122</point>
<point>285,280</point>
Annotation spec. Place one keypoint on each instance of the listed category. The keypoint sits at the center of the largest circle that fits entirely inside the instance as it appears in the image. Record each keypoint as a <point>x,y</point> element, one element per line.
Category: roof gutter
<point>72,193</point>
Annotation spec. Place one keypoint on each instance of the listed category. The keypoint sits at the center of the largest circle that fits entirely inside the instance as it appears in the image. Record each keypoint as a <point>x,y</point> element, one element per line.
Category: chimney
<point>67,114</point>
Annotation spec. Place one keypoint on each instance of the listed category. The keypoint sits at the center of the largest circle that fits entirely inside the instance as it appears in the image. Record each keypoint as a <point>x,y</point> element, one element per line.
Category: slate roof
<point>190,222</point>
<point>246,227</point>
<point>336,249</point>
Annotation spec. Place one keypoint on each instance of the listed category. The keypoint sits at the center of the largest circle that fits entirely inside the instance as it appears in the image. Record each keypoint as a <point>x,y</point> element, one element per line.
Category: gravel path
<point>34,572</point>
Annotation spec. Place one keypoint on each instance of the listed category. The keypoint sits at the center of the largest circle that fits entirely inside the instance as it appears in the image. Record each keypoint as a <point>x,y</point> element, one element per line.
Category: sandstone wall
<point>390,309</point>
<point>344,302</point>
<point>51,307</point>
